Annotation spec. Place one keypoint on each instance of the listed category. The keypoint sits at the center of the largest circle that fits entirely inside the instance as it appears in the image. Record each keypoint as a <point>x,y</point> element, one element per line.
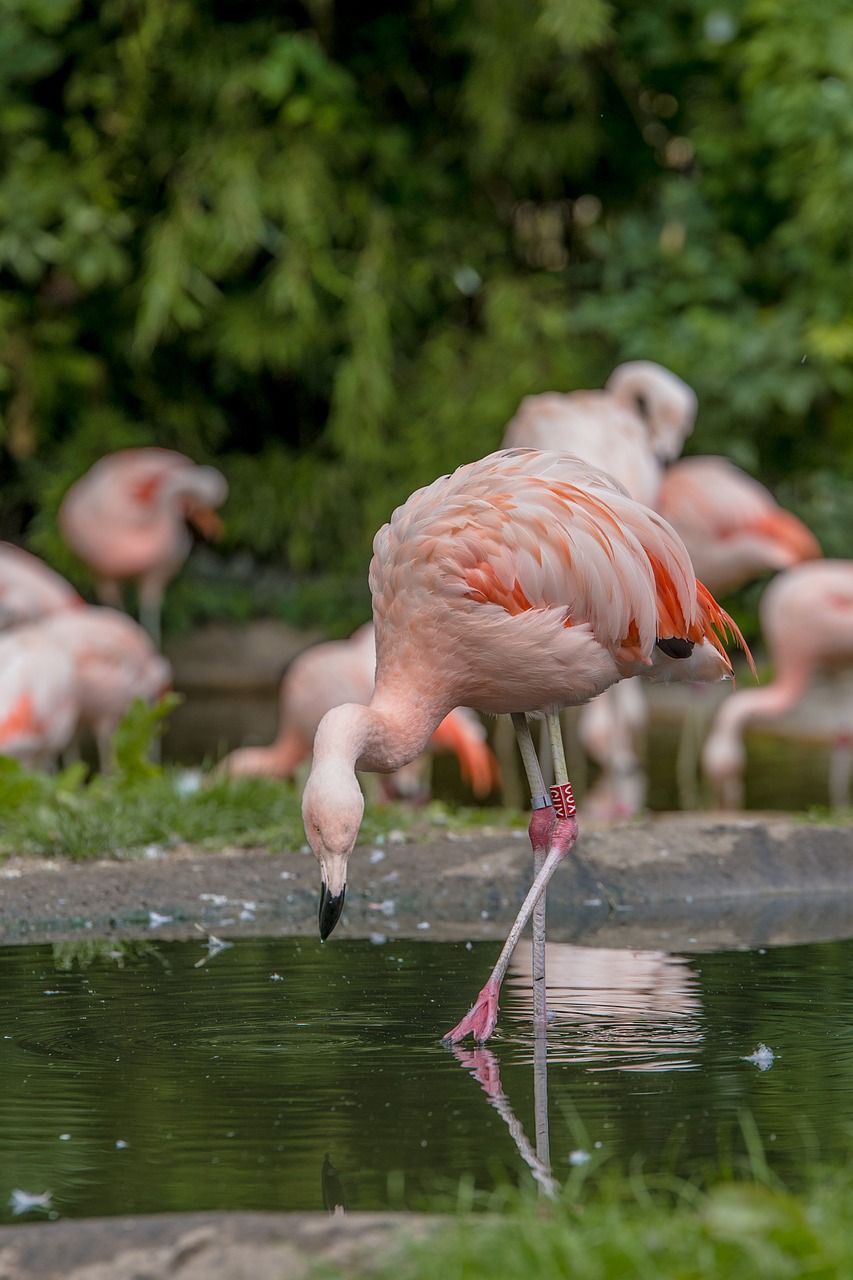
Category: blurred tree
<point>329,247</point>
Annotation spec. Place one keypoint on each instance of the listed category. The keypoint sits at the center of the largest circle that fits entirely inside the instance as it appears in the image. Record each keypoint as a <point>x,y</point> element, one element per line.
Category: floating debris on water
<point>214,946</point>
<point>763,1058</point>
<point>24,1201</point>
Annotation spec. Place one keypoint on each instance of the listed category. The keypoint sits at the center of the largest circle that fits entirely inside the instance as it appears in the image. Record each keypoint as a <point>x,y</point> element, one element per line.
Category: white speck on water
<point>598,1145</point>
<point>49,992</point>
<point>469,946</point>
<point>23,1201</point>
<point>65,1137</point>
<point>579,1157</point>
<point>121,1145</point>
<point>155,920</point>
<point>378,939</point>
<point>424,924</point>
<point>763,1058</point>
<point>377,855</point>
<point>275,977</point>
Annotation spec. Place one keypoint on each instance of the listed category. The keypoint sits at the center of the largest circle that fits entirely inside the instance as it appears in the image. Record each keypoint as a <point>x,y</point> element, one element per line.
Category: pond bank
<point>702,880</point>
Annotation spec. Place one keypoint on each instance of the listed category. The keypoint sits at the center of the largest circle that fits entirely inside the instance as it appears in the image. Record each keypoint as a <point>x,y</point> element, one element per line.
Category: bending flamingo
<point>39,699</point>
<point>114,662</point>
<point>325,675</point>
<point>731,524</point>
<point>128,518</point>
<point>30,589</point>
<point>629,429</point>
<point>521,583</point>
<point>806,616</point>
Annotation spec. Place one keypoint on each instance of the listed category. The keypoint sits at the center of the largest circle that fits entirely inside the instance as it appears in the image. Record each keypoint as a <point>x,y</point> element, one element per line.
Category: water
<point>283,1075</point>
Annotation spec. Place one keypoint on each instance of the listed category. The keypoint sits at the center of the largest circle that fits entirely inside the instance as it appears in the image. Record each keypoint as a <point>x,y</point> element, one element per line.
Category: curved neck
<point>379,738</point>
<point>764,703</point>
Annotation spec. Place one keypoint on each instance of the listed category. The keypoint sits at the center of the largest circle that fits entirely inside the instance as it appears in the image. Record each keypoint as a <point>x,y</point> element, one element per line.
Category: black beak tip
<point>330,910</point>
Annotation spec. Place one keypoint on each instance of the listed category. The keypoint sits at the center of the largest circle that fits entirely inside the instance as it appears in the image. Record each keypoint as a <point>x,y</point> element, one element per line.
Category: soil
<point>697,881</point>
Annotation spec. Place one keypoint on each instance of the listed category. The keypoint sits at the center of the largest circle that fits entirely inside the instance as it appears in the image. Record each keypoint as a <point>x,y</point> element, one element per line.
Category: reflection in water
<point>334,1196</point>
<point>614,1009</point>
<point>483,1066</point>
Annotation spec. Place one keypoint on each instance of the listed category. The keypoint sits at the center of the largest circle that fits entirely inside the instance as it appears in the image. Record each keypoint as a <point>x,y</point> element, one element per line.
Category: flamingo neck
<point>380,738</point>
<point>765,703</point>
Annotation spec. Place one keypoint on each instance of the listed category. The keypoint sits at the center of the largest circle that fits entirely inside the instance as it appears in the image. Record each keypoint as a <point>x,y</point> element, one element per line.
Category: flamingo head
<point>332,809</point>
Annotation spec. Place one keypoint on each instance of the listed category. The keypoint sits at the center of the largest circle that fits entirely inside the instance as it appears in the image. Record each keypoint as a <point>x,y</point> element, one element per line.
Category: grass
<point>629,1227</point>
<point>120,814</point>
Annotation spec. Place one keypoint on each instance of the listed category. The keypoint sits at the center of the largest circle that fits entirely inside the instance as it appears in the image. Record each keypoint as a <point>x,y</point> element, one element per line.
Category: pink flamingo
<point>128,517</point>
<point>731,524</point>
<point>325,675</point>
<point>640,419</point>
<point>806,616</point>
<point>735,531</point>
<point>39,699</point>
<point>29,589</point>
<point>521,583</point>
<point>114,662</point>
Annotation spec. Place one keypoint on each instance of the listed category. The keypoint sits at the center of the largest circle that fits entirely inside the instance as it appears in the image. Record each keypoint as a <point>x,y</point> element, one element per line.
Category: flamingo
<point>521,583</point>
<point>735,531</point>
<point>39,698</point>
<point>640,420</point>
<point>29,589</point>
<point>730,523</point>
<point>114,662</point>
<point>806,616</point>
<point>128,517</point>
<point>335,671</point>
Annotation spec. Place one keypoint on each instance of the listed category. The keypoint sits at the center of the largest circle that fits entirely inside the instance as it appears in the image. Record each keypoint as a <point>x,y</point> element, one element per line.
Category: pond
<point>281,1074</point>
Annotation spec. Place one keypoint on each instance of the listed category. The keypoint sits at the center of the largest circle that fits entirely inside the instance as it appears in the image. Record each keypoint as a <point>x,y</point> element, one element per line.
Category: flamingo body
<point>523,582</point>
<point>30,589</point>
<point>730,523</point>
<point>128,518</point>
<point>114,663</point>
<point>338,671</point>
<point>39,701</point>
<point>806,616</point>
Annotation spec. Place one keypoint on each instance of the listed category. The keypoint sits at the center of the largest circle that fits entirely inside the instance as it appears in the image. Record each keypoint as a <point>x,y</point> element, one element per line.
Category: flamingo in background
<point>639,421</point>
<point>735,531</point>
<point>806,616</point>
<point>128,518</point>
<point>731,524</point>
<point>521,583</point>
<point>114,662</point>
<point>325,675</point>
<point>39,698</point>
<point>29,589</point>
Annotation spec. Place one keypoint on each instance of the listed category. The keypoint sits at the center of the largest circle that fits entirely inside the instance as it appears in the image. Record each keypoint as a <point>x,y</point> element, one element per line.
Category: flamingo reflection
<point>613,1008</point>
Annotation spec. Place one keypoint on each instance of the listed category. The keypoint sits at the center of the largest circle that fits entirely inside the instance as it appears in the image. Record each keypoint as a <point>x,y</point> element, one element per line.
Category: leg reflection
<point>483,1066</point>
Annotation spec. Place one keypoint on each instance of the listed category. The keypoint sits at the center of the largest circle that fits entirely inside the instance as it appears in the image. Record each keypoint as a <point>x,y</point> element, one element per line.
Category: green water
<point>155,1078</point>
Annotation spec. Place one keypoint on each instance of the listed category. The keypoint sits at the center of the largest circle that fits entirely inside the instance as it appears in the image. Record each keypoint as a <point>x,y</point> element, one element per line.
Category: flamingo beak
<point>330,909</point>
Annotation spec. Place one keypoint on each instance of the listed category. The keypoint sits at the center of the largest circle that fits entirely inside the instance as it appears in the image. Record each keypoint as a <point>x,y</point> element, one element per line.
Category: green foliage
<point>329,247</point>
<point>635,1228</point>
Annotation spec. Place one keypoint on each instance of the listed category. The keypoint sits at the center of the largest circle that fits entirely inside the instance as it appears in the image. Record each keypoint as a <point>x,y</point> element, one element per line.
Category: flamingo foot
<point>480,1019</point>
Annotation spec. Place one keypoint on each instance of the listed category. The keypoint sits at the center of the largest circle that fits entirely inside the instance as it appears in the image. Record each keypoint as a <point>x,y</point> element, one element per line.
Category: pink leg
<point>482,1016</point>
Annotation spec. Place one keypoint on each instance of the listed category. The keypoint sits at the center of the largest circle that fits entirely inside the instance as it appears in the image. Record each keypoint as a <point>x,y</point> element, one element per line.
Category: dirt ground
<point>702,881</point>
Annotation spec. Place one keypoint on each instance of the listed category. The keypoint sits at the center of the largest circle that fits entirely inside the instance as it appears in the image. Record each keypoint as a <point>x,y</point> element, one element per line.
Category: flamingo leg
<point>541,824</point>
<point>482,1016</point>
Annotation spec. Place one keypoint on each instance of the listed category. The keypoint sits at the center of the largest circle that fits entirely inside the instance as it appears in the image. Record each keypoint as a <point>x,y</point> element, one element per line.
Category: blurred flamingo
<point>640,420</point>
<point>521,583</point>
<point>128,518</point>
<point>39,698</point>
<point>806,616</point>
<point>731,524</point>
<point>336,671</point>
<point>30,589</point>
<point>735,531</point>
<point>114,662</point>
